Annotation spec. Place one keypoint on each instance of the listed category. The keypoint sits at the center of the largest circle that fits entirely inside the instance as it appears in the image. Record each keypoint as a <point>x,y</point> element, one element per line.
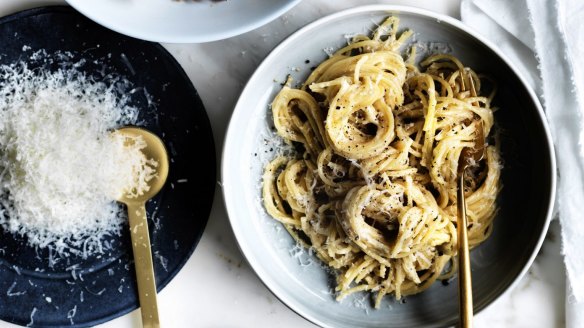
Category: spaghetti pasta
<point>373,190</point>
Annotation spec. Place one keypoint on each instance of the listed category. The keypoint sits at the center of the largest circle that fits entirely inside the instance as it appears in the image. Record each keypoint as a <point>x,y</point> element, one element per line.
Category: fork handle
<point>143,264</point>
<point>464,274</point>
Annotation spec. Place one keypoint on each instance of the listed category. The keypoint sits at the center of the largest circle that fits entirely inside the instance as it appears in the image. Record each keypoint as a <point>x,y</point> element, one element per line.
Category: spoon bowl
<point>156,150</point>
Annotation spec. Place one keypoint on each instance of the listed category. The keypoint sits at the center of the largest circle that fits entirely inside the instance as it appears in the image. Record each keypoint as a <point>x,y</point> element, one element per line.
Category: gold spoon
<point>139,225</point>
<point>467,157</point>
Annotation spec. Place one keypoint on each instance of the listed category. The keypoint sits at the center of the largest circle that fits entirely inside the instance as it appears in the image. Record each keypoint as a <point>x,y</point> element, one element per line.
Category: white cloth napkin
<point>553,32</point>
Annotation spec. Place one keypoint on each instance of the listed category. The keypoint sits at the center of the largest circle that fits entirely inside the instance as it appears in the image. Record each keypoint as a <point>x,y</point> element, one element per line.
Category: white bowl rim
<point>238,110</point>
<point>201,38</point>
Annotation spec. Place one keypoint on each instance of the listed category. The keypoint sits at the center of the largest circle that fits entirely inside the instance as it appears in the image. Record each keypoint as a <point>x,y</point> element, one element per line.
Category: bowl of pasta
<point>340,160</point>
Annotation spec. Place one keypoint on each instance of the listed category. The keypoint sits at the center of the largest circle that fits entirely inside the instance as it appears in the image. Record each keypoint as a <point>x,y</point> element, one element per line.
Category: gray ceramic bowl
<point>182,21</point>
<point>295,276</point>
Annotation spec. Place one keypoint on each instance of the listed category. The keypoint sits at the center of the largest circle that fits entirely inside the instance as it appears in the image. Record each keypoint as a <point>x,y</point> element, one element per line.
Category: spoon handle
<point>143,265</point>
<point>464,274</point>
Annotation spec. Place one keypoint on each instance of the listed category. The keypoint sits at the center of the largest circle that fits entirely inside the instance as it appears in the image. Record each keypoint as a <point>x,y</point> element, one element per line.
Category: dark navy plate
<point>34,288</point>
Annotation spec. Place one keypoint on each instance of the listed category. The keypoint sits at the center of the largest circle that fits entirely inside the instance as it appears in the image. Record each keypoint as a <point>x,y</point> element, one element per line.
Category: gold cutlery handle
<point>464,274</point>
<point>143,265</point>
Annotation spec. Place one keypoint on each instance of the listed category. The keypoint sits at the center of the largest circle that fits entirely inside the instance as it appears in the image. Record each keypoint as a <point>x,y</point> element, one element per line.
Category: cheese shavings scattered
<point>60,166</point>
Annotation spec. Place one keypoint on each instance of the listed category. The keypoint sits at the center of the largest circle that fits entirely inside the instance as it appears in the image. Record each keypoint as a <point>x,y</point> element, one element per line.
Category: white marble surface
<point>216,288</point>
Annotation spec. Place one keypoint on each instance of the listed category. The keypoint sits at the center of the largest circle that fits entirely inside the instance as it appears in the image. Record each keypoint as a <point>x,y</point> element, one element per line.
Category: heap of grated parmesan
<point>61,168</point>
